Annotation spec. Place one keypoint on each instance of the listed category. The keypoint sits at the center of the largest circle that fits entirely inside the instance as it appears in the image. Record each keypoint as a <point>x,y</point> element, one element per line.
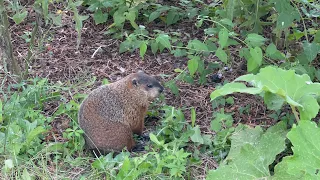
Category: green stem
<point>31,45</point>
<point>304,24</point>
<point>295,113</point>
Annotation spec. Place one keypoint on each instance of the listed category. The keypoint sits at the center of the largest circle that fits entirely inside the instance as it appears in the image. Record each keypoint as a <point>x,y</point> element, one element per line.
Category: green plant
<point>75,137</point>
<point>277,86</point>
<point>250,159</point>
<point>25,126</point>
<point>172,124</point>
<point>222,126</point>
<point>304,163</point>
<point>23,123</point>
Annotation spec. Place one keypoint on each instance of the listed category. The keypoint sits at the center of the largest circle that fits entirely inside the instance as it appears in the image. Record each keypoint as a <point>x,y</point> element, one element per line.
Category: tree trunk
<point>6,50</point>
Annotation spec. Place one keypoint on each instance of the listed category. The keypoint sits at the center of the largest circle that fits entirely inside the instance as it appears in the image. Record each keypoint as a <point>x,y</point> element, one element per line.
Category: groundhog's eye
<point>149,86</point>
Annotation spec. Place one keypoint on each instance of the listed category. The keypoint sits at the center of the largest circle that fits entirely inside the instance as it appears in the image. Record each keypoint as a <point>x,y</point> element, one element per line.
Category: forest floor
<point>98,56</point>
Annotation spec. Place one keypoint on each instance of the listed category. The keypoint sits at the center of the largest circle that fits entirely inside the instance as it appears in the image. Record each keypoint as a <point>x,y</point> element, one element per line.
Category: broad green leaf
<point>124,46</point>
<point>129,45</point>
<point>232,88</point>
<point>192,13</point>
<point>273,53</point>
<point>223,37</point>
<point>154,15</point>
<point>100,17</point>
<point>45,9</point>
<point>310,107</point>
<point>215,125</point>
<point>285,19</point>
<point>83,18</point>
<point>34,133</point>
<point>143,49</point>
<point>119,18</point>
<point>179,52</point>
<point>227,22</point>
<point>154,139</point>
<point>164,40</point>
<point>211,45</point>
<point>197,45</point>
<point>56,19</point>
<point>154,47</point>
<point>94,7</point>
<point>296,90</point>
<point>172,17</point>
<point>317,37</point>
<point>196,137</point>
<point>311,13</point>
<point>173,87</point>
<point>255,40</point>
<point>305,161</point>
<point>193,65</point>
<point>273,101</point>
<point>256,54</point>
<point>221,119</point>
<point>230,8</point>
<point>287,13</point>
<point>311,50</point>
<point>19,17</point>
<point>222,55</point>
<point>255,60</point>
<point>298,35</point>
<point>124,171</point>
<point>230,100</point>
<point>251,153</point>
<point>131,16</point>
<point>55,147</point>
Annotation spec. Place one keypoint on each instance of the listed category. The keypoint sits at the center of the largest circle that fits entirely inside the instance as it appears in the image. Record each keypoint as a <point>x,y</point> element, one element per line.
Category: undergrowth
<point>277,41</point>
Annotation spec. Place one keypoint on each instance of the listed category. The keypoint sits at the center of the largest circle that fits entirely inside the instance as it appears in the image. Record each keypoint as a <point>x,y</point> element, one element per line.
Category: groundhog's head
<point>147,84</point>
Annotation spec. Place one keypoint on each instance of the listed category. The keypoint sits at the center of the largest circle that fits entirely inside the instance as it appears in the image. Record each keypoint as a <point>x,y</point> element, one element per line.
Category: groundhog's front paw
<point>145,137</point>
<point>138,148</point>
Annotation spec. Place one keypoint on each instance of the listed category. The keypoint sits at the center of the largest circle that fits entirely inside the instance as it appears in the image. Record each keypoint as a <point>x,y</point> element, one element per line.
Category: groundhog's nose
<point>161,89</point>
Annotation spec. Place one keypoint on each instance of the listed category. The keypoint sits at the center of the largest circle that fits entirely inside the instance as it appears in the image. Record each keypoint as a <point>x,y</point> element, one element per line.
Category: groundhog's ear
<point>135,82</point>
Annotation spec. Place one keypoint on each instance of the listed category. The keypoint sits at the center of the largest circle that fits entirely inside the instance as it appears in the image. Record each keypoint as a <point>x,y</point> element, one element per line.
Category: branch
<point>6,44</point>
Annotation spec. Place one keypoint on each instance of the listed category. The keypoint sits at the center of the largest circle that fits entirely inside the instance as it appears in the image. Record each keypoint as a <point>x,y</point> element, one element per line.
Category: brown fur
<point>111,113</point>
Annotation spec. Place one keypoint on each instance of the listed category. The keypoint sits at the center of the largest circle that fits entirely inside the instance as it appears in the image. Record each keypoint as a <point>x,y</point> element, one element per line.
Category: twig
<point>95,51</point>
<point>6,43</point>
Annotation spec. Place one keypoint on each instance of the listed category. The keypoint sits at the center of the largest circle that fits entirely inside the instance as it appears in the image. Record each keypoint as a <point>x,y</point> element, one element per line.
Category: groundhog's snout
<point>161,89</point>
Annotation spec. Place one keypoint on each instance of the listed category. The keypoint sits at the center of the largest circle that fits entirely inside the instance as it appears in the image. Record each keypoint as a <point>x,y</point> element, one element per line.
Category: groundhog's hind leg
<point>111,136</point>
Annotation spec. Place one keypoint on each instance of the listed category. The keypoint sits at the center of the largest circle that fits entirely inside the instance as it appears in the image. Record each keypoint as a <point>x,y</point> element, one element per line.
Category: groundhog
<point>112,113</point>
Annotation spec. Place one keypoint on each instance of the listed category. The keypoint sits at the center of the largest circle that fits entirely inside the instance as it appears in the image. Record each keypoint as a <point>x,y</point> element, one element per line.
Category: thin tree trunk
<point>6,50</point>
